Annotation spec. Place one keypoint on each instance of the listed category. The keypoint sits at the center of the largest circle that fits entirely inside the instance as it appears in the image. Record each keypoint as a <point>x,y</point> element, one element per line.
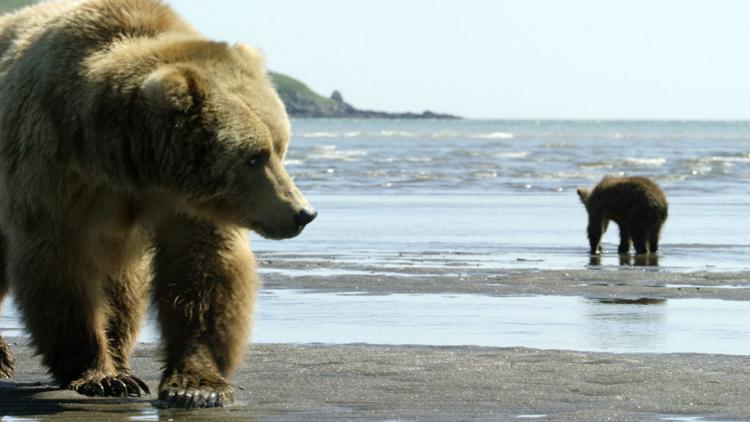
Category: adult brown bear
<point>636,204</point>
<point>135,152</point>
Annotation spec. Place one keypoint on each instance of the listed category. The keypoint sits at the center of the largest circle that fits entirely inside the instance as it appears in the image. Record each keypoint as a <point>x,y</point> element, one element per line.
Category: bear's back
<point>74,28</point>
<point>20,29</point>
<point>618,197</point>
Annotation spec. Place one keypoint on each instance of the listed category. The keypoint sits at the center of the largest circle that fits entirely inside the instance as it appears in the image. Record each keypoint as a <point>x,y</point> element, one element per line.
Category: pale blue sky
<point>581,59</point>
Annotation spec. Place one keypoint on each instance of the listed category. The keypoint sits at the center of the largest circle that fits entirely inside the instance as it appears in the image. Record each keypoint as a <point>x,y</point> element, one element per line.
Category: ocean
<point>502,193</point>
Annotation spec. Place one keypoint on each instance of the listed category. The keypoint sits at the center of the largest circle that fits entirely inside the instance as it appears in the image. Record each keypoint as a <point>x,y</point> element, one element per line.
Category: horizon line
<point>547,119</point>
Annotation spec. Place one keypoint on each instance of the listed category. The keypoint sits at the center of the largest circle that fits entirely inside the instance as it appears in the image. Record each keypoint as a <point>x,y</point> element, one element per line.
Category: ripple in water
<point>550,156</point>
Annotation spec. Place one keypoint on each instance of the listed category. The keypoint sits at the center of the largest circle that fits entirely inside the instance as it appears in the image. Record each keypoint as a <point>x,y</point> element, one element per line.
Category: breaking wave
<point>493,135</point>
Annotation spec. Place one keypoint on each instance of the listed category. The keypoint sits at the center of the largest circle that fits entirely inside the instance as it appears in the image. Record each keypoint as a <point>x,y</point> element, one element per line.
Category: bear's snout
<point>305,216</point>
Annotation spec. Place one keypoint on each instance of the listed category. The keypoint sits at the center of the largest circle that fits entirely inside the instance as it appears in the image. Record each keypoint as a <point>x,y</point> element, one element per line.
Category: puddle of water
<point>531,416</point>
<point>631,301</point>
<point>639,325</point>
<point>696,286</point>
<point>634,325</point>
<point>694,419</point>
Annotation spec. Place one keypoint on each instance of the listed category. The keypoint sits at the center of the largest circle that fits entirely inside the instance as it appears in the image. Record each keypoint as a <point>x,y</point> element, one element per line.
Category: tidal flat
<point>344,348</point>
<point>283,382</point>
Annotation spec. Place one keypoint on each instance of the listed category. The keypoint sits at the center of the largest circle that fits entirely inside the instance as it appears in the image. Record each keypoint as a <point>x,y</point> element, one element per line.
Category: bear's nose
<point>305,216</point>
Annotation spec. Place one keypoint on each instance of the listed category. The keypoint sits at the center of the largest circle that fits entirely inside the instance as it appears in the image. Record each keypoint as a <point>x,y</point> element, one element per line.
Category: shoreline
<point>597,282</point>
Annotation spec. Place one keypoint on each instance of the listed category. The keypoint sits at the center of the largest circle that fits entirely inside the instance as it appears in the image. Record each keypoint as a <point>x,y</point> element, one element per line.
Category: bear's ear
<point>173,89</point>
<point>251,55</point>
<point>583,194</point>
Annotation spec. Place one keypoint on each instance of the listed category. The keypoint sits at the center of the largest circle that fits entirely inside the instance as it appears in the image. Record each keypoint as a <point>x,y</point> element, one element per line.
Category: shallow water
<point>522,230</point>
<point>502,193</point>
<point>545,322</point>
<point>633,325</point>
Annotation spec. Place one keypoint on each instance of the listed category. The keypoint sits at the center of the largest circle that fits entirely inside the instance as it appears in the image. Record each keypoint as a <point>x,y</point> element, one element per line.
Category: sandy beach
<point>356,382</point>
<point>401,382</point>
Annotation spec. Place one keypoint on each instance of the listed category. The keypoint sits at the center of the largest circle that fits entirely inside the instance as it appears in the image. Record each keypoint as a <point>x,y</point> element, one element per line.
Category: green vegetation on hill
<point>10,5</point>
<point>301,101</point>
<point>291,89</point>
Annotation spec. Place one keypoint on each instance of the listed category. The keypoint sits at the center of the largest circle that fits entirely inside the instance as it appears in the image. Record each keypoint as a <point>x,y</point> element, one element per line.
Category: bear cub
<point>636,204</point>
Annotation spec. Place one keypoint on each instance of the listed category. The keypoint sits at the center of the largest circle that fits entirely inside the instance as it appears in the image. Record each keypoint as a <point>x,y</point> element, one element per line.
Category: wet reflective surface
<point>547,322</point>
<point>650,325</point>
<point>605,324</point>
<point>519,230</point>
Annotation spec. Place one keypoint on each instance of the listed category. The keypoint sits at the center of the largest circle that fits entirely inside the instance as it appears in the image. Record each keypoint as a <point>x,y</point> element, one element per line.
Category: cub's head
<point>221,133</point>
<point>583,194</point>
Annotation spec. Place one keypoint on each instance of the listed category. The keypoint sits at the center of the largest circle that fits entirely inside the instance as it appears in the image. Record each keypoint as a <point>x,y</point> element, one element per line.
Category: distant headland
<point>301,101</point>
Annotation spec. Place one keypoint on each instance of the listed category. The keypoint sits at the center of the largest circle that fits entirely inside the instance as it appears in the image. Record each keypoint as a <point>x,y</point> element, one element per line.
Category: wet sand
<point>373,382</point>
<point>625,281</point>
<point>354,382</point>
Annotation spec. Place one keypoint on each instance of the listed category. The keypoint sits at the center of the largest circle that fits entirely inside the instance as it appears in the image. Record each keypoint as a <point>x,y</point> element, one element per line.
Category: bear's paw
<point>190,391</point>
<point>99,385</point>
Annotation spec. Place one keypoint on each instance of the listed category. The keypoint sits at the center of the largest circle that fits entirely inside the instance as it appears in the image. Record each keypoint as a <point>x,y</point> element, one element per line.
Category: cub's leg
<point>59,291</point>
<point>653,241</point>
<point>596,229</point>
<point>6,358</point>
<point>127,298</point>
<point>204,288</point>
<point>624,247</point>
<point>640,240</point>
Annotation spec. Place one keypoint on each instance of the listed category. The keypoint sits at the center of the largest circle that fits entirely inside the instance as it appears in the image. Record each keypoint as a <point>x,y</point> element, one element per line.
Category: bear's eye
<point>257,160</point>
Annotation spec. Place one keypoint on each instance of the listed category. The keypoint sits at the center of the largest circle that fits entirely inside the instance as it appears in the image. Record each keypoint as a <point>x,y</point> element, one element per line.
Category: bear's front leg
<point>204,288</point>
<point>6,358</point>
<point>58,287</point>
<point>624,247</point>
<point>653,242</point>
<point>595,229</point>
<point>127,297</point>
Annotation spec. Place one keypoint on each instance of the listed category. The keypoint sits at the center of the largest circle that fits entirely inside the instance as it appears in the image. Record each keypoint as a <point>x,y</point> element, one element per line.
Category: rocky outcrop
<point>301,101</point>
<point>350,111</point>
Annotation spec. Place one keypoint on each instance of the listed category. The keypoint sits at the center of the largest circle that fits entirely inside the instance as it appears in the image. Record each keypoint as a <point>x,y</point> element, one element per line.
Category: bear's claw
<point>120,386</point>
<point>6,368</point>
<point>190,398</point>
<point>188,390</point>
<point>194,398</point>
<point>134,384</point>
<point>6,360</point>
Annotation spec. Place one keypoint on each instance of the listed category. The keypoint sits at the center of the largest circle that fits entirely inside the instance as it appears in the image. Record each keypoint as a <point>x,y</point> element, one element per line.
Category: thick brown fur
<point>636,204</point>
<point>136,153</point>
